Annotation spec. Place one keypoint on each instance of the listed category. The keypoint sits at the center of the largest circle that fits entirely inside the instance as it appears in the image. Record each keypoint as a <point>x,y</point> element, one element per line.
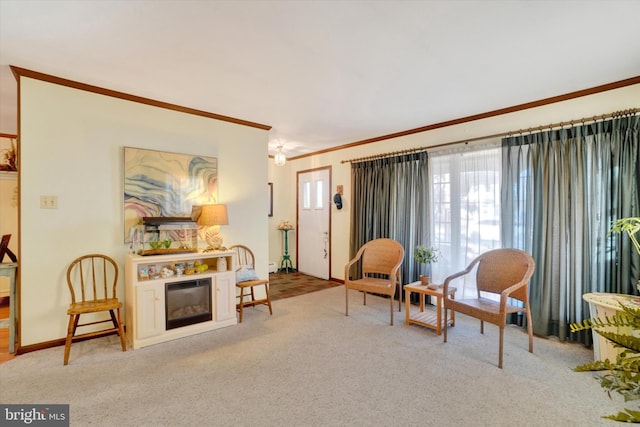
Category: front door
<point>314,208</point>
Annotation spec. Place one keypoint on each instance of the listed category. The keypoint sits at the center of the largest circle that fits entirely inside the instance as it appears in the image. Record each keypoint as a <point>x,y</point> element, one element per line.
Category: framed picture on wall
<point>163,184</point>
<point>8,154</point>
<point>270,188</point>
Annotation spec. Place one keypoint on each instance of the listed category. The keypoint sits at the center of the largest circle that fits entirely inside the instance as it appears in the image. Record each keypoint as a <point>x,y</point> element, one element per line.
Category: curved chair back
<point>381,256</point>
<point>92,277</point>
<point>244,255</point>
<point>499,269</point>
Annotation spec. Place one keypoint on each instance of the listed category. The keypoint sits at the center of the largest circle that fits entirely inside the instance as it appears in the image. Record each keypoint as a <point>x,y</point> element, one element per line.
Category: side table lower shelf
<point>430,319</point>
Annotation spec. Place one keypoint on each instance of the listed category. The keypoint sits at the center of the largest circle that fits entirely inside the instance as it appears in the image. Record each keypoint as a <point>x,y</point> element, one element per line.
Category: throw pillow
<point>244,273</point>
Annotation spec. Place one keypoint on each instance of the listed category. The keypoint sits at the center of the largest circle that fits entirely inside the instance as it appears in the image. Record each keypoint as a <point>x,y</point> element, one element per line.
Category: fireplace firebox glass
<point>188,302</point>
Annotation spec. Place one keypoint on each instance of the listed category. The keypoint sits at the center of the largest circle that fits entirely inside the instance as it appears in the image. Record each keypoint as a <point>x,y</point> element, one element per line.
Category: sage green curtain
<point>390,199</point>
<point>561,191</point>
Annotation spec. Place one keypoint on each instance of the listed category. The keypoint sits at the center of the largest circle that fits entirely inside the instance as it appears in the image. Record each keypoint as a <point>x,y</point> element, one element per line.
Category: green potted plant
<point>426,255</point>
<point>623,374</point>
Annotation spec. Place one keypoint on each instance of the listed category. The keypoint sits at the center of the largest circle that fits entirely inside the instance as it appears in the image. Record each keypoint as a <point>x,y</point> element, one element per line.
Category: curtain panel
<point>390,199</point>
<point>561,191</point>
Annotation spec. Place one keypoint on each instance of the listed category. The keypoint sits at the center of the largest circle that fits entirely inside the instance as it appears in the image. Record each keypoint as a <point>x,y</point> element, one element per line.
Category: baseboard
<point>53,343</point>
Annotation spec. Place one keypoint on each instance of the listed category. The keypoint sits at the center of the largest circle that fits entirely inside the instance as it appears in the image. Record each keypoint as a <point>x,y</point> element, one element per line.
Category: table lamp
<point>210,218</point>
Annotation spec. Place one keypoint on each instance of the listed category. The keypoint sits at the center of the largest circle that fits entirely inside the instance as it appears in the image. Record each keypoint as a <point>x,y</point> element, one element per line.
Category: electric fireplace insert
<point>188,302</point>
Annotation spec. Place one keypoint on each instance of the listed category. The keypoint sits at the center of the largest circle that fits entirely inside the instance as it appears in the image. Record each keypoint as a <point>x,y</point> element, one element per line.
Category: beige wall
<point>71,147</point>
<point>285,177</point>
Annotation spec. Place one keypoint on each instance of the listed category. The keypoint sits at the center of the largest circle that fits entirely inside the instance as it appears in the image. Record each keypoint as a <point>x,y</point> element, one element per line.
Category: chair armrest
<point>355,259</point>
<point>445,285</point>
<point>511,289</point>
<point>395,274</point>
<point>508,291</point>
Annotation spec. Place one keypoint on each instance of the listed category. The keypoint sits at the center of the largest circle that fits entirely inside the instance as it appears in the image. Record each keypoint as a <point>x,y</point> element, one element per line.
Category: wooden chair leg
<point>240,305</point>
<point>482,326</point>
<point>117,322</point>
<point>71,330</point>
<point>266,289</point>
<point>391,308</point>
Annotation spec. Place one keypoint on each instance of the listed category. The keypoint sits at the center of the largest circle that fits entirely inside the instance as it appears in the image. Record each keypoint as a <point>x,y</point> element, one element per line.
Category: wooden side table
<point>428,319</point>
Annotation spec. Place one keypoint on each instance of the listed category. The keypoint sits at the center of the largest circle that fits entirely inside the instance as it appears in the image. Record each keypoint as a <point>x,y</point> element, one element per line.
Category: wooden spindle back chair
<point>92,280</point>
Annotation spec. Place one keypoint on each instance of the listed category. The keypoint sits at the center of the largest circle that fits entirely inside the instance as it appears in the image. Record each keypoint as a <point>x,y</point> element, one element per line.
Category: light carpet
<point>310,365</point>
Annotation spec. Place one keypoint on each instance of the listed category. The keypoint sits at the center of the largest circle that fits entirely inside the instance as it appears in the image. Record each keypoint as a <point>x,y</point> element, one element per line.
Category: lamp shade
<point>211,215</point>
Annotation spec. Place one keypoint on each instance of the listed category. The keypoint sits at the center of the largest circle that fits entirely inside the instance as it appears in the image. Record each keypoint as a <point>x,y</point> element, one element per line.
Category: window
<point>465,195</point>
<point>306,195</point>
<point>319,193</point>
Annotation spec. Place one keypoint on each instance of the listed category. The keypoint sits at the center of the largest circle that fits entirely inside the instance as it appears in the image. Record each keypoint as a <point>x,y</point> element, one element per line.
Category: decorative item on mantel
<point>210,218</point>
<point>163,236</point>
<point>426,255</point>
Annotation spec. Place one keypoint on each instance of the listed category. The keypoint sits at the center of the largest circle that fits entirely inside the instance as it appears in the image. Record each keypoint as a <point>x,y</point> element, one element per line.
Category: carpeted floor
<point>310,365</point>
<point>287,285</point>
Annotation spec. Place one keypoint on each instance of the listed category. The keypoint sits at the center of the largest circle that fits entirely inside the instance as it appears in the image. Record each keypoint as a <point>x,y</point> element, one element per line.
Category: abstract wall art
<point>158,183</point>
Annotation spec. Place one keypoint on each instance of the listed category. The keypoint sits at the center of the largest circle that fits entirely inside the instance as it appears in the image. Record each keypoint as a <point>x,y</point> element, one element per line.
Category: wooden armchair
<point>505,272</point>
<point>379,257</point>
<point>92,281</point>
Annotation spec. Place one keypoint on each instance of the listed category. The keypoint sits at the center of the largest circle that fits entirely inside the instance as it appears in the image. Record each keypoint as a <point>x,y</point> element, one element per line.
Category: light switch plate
<point>48,202</point>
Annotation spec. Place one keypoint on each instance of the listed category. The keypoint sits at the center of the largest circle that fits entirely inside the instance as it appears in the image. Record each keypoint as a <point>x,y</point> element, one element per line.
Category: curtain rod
<point>615,114</point>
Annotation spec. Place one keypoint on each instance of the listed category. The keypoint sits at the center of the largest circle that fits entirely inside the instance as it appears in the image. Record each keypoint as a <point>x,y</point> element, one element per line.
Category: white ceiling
<point>323,73</point>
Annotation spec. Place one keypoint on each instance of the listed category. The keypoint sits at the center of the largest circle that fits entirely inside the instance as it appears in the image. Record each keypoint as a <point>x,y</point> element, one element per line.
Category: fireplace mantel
<point>146,278</point>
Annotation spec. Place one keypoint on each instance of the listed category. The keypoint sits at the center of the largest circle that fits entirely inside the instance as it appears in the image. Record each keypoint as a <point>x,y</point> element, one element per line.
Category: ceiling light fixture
<point>280,159</point>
